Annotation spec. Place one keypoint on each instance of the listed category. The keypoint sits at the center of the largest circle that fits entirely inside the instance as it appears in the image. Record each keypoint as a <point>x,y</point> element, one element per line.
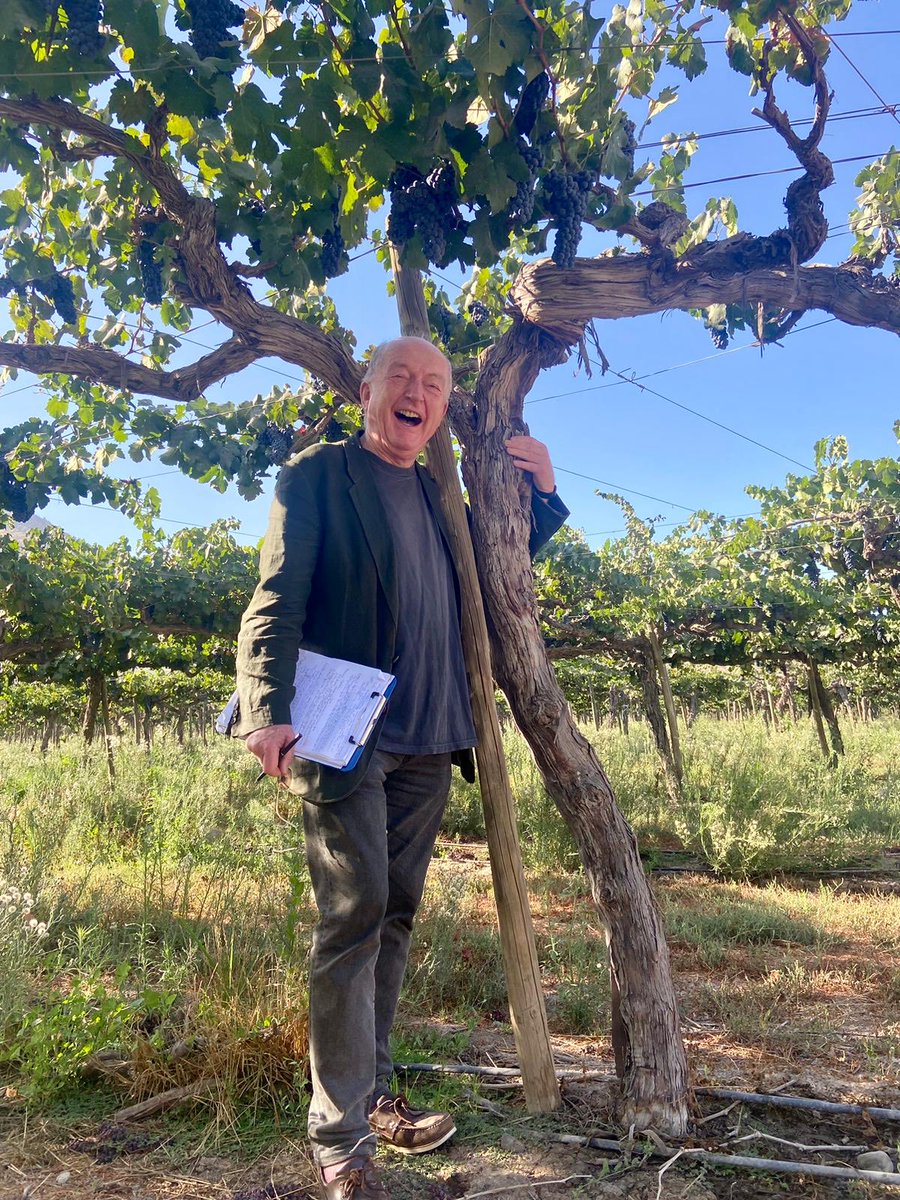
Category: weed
<point>455,968</point>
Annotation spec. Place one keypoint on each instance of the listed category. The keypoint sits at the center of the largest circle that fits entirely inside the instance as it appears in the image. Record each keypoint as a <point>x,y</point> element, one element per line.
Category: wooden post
<point>523,979</point>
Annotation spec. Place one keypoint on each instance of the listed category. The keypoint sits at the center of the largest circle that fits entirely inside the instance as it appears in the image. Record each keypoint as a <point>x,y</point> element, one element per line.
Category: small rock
<point>63,1177</point>
<point>511,1145</point>
<point>874,1160</point>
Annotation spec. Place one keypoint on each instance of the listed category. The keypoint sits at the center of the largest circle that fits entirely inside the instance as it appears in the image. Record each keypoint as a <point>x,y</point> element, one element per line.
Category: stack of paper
<point>335,708</point>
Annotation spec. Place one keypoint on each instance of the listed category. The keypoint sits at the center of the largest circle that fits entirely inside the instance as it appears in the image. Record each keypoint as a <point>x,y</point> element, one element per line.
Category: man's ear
<point>365,393</point>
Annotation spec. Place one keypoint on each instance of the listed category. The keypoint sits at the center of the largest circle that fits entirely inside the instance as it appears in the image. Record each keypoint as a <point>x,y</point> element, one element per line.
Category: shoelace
<point>395,1104</point>
<point>354,1179</point>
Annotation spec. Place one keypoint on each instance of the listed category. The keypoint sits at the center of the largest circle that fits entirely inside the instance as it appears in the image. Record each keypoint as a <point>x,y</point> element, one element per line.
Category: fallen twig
<point>770,1137</point>
<point>778,1166</point>
<point>723,1112</point>
<point>673,1158</point>
<point>162,1101</point>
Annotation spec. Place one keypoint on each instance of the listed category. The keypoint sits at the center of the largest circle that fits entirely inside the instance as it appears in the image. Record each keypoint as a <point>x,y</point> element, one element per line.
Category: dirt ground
<point>828,1030</point>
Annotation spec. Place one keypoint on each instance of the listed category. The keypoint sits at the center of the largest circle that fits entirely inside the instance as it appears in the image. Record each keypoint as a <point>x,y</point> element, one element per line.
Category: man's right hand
<point>268,746</point>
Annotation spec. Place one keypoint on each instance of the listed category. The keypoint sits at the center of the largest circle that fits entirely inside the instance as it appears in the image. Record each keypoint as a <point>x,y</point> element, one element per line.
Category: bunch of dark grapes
<point>426,207</point>
<point>255,210</point>
<point>532,100</point>
<point>442,321</point>
<point>275,443</point>
<point>151,274</point>
<point>521,207</point>
<point>333,431</point>
<point>13,494</point>
<point>811,571</point>
<point>565,199</point>
<point>210,23</point>
<point>630,143</point>
<point>333,259</point>
<point>59,291</point>
<point>83,18</point>
<point>719,335</point>
<point>478,313</point>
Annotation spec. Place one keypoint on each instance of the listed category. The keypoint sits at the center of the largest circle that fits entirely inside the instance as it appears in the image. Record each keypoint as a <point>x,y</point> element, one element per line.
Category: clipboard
<point>335,708</point>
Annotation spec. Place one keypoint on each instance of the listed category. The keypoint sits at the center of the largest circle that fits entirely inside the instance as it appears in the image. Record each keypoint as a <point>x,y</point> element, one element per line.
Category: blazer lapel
<point>373,520</point>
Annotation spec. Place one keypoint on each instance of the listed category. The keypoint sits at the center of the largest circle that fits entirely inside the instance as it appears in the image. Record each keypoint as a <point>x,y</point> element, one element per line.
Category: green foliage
<point>877,215</point>
<point>79,610</point>
<point>816,574</point>
<point>51,1042</point>
<point>276,137</point>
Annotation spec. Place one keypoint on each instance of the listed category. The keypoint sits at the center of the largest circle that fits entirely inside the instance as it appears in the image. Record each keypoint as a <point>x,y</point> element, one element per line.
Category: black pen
<point>284,749</point>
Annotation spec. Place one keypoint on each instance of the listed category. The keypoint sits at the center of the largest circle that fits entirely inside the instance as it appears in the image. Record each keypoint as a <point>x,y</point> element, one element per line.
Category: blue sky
<point>827,379</point>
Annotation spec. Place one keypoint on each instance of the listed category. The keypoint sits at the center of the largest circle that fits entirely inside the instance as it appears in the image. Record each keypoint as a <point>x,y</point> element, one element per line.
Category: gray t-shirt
<point>429,711</point>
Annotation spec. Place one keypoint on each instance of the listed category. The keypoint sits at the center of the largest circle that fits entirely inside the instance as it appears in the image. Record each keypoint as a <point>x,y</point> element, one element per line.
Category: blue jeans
<point>368,855</point>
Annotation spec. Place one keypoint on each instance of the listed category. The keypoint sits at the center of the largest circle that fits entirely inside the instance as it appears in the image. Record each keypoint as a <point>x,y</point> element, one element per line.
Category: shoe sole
<point>408,1150</point>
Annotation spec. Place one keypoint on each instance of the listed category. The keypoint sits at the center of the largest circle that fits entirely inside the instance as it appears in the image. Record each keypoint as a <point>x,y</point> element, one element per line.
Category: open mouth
<point>408,417</point>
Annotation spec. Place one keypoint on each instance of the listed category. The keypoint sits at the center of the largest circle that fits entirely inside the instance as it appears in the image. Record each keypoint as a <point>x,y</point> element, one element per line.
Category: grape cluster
<point>630,142</point>
<point>83,17</point>
<point>13,494</point>
<point>424,206</point>
<point>565,198</point>
<point>59,291</point>
<point>275,443</point>
<point>478,313</point>
<point>333,259</point>
<point>333,431</point>
<point>719,335</point>
<point>255,210</point>
<point>57,288</point>
<point>811,571</point>
<point>210,22</point>
<point>151,274</point>
<point>442,320</point>
<point>532,100</point>
<point>521,207</point>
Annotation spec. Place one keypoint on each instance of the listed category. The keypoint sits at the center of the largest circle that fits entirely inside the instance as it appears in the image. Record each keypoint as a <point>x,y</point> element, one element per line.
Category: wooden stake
<point>526,998</point>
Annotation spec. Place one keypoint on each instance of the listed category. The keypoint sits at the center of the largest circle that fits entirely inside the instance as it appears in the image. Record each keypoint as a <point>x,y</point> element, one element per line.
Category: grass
<point>179,912</point>
<point>755,800</point>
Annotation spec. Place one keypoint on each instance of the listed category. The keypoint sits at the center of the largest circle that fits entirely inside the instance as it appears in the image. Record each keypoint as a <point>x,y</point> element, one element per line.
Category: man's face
<point>405,400</point>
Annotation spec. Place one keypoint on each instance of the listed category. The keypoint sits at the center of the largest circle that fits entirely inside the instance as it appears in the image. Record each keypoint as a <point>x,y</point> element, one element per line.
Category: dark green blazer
<point>328,583</point>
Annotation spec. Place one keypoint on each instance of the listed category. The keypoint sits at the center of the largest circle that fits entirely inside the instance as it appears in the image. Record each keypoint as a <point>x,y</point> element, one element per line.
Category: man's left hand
<point>529,454</point>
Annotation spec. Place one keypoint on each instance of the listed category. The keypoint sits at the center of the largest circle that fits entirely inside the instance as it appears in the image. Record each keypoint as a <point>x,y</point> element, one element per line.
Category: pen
<point>284,749</point>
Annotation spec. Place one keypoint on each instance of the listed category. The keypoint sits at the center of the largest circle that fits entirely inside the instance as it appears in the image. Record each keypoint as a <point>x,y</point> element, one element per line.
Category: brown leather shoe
<point>359,1181</point>
<point>409,1130</point>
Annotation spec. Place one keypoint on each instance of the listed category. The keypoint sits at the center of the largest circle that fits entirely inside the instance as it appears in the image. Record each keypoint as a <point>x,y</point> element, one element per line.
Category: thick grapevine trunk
<point>650,1055</point>
<point>825,705</point>
<point>671,714</point>
<point>646,671</point>
<point>95,693</point>
<point>815,708</point>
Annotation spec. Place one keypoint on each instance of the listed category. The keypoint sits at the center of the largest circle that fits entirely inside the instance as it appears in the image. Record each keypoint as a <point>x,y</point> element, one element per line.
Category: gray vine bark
<point>647,677</point>
<point>825,707</point>
<point>650,1055</point>
<point>95,694</point>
